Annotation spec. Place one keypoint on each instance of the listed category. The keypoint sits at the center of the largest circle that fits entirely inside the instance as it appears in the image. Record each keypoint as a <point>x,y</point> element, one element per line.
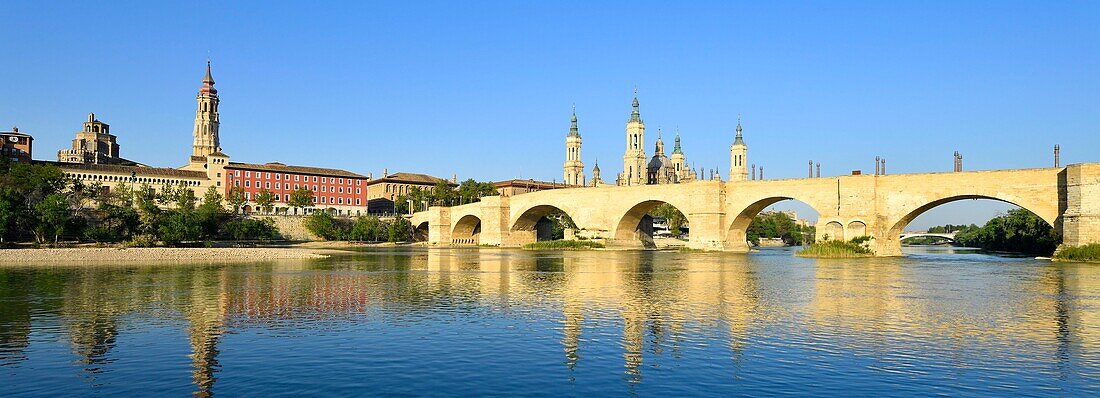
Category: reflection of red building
<point>344,191</point>
<point>17,146</point>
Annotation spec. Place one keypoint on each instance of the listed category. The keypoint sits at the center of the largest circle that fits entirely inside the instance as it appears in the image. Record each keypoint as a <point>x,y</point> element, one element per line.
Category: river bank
<point>107,254</point>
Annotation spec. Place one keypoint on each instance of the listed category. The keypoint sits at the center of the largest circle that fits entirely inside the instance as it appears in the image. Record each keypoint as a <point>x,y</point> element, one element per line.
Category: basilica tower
<point>206,120</point>
<point>678,161</point>
<point>574,168</point>
<point>738,153</point>
<point>634,160</point>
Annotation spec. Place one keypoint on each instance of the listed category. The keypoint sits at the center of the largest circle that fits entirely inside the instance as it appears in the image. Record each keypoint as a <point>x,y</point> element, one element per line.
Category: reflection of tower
<point>634,167</point>
<point>572,326</point>
<point>206,318</point>
<point>738,152</point>
<point>574,168</point>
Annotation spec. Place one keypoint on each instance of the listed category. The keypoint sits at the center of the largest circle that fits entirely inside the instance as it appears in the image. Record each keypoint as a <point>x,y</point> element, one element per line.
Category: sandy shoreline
<point>101,255</point>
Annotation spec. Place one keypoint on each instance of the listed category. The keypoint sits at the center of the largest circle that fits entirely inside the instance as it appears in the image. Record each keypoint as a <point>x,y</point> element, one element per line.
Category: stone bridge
<point>718,212</point>
<point>948,236</point>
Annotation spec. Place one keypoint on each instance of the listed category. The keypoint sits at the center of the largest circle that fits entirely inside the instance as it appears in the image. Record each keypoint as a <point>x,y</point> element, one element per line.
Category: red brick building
<point>16,146</point>
<point>341,190</point>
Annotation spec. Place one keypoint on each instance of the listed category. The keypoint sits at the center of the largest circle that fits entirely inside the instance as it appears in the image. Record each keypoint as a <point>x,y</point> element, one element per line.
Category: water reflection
<point>668,319</point>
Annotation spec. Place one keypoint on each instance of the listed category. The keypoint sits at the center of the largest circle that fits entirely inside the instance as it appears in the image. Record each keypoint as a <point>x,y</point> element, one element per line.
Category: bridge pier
<point>1080,221</point>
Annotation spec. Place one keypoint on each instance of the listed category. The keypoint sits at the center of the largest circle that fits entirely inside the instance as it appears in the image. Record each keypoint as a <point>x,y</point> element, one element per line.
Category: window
<point>277,186</point>
<point>286,198</point>
<point>324,188</point>
<point>314,188</point>
<point>322,199</point>
<point>237,173</point>
<point>340,200</point>
<point>296,178</point>
<point>247,184</point>
<point>295,186</point>
<point>278,176</point>
<point>237,183</point>
<point>267,175</point>
<point>286,177</point>
<point>358,191</point>
<point>341,180</point>
<point>248,174</point>
<point>358,182</point>
<point>247,196</point>
<point>314,180</point>
<point>324,179</point>
<point>330,200</point>
<point>356,201</point>
<point>268,185</point>
<point>341,189</point>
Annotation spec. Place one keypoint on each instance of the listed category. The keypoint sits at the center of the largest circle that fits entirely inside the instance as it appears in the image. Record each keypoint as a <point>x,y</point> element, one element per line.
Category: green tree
<point>323,225</point>
<point>301,199</point>
<point>400,230</point>
<point>211,214</point>
<point>53,216</point>
<point>265,200</point>
<point>235,199</point>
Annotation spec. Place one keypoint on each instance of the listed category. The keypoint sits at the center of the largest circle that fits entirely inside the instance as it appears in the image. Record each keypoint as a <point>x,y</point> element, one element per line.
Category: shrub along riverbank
<point>1087,253</point>
<point>837,249</point>
<point>362,229</point>
<point>38,203</point>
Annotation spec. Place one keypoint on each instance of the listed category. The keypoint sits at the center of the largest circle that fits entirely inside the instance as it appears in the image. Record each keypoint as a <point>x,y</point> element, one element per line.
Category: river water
<point>489,322</point>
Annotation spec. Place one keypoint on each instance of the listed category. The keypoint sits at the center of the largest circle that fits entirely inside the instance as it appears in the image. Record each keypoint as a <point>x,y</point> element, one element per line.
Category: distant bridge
<point>719,212</point>
<point>948,236</point>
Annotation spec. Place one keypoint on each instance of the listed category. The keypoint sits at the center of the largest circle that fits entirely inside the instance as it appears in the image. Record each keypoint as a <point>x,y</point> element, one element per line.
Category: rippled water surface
<point>504,322</point>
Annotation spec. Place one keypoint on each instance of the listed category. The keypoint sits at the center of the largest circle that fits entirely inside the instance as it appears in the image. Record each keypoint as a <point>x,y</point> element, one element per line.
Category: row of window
<point>298,178</point>
<point>323,199</point>
<point>278,186</point>
<point>139,180</point>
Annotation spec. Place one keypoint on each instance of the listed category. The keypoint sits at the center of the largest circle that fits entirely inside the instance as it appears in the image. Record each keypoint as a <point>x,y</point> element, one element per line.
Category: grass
<point>835,249</point>
<point>1086,253</point>
<point>563,245</point>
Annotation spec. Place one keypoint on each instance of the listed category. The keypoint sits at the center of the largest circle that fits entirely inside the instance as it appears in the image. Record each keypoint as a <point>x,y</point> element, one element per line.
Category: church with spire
<point>206,142</point>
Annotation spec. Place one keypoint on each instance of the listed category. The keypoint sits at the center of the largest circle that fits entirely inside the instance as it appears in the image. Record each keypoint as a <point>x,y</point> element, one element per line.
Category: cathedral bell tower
<point>738,152</point>
<point>574,168</point>
<point>634,160</point>
<point>206,120</point>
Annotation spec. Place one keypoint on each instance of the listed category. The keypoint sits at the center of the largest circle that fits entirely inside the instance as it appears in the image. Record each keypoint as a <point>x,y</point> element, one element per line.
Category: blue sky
<point>484,89</point>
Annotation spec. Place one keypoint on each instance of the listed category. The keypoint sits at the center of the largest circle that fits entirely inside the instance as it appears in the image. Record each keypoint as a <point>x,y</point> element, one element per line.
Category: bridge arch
<point>891,241</point>
<point>467,230</point>
<point>737,233</point>
<point>529,225</point>
<point>631,229</point>
<point>420,232</point>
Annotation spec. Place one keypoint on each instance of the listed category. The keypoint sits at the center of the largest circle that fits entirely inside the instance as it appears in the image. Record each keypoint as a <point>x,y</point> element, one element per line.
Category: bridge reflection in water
<point>661,307</point>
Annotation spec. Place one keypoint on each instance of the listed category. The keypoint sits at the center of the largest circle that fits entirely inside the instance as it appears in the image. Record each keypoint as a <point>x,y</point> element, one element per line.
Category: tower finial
<point>573,130</point>
<point>738,139</point>
<point>635,115</point>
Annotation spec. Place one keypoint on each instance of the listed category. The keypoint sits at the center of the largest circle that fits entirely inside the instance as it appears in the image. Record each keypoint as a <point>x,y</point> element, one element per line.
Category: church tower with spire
<point>206,121</point>
<point>574,168</point>
<point>679,164</point>
<point>596,181</point>
<point>634,160</point>
<point>738,153</point>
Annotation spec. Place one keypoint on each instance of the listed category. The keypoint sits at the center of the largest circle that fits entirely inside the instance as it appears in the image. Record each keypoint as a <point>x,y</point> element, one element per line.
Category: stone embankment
<point>102,255</point>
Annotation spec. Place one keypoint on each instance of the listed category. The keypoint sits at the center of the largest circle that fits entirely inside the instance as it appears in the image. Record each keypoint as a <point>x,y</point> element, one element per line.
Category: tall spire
<point>635,115</point>
<point>573,131</point>
<point>208,83</point>
<point>738,139</point>
<point>659,147</point>
<point>676,146</point>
